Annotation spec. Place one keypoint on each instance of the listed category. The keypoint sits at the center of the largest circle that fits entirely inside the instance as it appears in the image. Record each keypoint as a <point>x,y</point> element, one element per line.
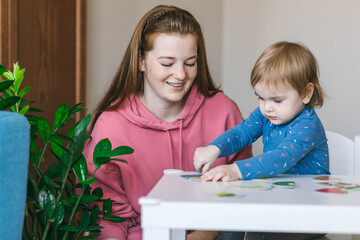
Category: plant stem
<point>73,211</point>
<point>45,231</point>
<point>59,196</point>
<point>34,226</point>
<point>57,199</point>
<point>17,107</point>
<point>76,204</point>
<point>42,154</point>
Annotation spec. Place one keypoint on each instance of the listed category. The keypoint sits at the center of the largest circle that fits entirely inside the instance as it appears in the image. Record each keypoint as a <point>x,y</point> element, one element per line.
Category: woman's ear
<point>141,63</point>
<point>307,93</point>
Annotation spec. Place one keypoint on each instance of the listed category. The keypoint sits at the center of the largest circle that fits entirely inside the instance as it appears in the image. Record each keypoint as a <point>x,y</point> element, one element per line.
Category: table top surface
<point>177,188</point>
<point>180,203</point>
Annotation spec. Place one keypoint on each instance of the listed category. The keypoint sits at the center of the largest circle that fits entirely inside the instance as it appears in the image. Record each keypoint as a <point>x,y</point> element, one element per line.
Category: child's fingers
<point>197,164</point>
<point>218,176</point>
<point>206,168</point>
<point>212,175</point>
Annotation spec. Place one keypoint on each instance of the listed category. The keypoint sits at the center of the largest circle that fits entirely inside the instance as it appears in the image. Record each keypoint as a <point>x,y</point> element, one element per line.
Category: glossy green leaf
<point>61,171</point>
<point>42,199</point>
<point>5,85</point>
<point>100,161</point>
<point>50,182</point>
<point>16,67</point>
<point>13,109</point>
<point>78,147</point>
<point>101,150</point>
<point>89,181</point>
<point>61,114</point>
<point>107,207</point>
<point>52,171</point>
<point>71,131</point>
<point>85,219</point>
<point>34,109</point>
<point>115,219</point>
<point>8,102</point>
<point>94,214</point>
<point>19,77</point>
<point>44,129</point>
<point>81,127</point>
<point>24,91</point>
<point>93,228</point>
<point>50,205</point>
<point>80,169</point>
<point>59,215</point>
<point>119,160</point>
<point>24,101</point>
<point>89,199</point>
<point>69,228</point>
<point>98,192</point>
<point>24,110</point>
<point>8,75</point>
<point>2,69</point>
<point>74,109</point>
<point>122,150</point>
<point>7,93</point>
<point>57,145</point>
<point>70,201</point>
<point>66,138</point>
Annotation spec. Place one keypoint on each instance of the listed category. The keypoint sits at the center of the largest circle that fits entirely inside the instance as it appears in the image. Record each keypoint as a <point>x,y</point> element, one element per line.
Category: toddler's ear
<point>307,93</point>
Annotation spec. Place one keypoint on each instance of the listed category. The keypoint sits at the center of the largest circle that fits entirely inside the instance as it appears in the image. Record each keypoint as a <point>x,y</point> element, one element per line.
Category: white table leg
<point>178,234</point>
<point>156,233</point>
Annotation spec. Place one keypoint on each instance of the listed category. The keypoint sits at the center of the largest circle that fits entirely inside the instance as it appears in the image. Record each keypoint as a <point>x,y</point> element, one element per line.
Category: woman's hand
<point>224,173</point>
<point>205,157</point>
<point>202,235</point>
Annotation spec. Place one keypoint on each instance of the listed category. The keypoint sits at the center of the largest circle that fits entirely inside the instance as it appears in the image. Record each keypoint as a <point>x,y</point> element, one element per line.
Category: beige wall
<point>236,32</point>
<point>330,28</point>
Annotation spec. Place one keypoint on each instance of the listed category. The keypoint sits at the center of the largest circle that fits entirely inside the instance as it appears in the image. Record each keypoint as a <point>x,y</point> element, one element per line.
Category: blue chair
<point>14,161</point>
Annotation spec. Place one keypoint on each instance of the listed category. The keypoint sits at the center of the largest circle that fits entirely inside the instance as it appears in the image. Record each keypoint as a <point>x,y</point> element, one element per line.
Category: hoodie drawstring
<point>180,165</point>
<point>171,152</point>
<point>180,140</point>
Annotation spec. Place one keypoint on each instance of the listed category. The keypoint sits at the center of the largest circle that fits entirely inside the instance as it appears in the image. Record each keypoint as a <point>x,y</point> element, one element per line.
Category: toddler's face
<point>281,104</point>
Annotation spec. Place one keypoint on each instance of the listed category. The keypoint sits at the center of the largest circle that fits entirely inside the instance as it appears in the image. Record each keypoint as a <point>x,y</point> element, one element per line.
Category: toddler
<point>285,80</point>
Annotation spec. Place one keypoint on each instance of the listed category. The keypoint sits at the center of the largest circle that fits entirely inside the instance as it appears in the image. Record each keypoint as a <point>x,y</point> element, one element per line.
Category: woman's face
<point>169,69</point>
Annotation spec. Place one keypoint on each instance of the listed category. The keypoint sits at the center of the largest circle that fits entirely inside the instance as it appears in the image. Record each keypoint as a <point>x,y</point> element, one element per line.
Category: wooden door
<point>47,37</point>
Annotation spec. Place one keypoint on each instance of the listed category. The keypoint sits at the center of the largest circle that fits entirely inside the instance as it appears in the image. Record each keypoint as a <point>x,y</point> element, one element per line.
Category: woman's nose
<point>180,72</point>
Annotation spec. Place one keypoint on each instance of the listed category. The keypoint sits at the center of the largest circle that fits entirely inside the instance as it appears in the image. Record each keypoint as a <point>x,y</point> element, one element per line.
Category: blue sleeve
<point>240,136</point>
<point>300,140</point>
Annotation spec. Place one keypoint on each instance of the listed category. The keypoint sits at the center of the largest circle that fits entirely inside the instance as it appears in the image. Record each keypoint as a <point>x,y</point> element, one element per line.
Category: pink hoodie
<point>157,146</point>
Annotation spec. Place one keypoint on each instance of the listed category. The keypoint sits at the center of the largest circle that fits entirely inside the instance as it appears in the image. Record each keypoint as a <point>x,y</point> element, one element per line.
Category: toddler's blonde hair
<point>291,62</point>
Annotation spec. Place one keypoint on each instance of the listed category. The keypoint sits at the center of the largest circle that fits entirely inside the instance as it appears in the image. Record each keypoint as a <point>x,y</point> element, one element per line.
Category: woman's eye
<point>260,98</point>
<point>190,64</point>
<point>166,64</point>
<point>277,100</point>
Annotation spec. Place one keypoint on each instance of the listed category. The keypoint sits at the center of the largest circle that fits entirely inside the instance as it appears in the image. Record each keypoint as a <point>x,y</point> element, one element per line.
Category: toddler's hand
<point>224,173</point>
<point>205,157</point>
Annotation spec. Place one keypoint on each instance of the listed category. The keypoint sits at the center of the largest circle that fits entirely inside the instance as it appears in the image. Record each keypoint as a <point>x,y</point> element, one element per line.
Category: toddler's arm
<point>205,157</point>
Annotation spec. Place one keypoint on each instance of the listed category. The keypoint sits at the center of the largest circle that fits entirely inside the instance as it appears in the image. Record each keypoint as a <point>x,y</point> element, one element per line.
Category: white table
<point>176,204</point>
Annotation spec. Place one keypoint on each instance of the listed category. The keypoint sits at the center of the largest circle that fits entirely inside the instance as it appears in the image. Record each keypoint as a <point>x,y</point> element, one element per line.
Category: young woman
<point>164,104</point>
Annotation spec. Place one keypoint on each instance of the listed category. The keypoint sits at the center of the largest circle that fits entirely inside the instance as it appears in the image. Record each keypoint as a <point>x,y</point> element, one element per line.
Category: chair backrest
<point>341,154</point>
<point>357,155</point>
<point>14,164</point>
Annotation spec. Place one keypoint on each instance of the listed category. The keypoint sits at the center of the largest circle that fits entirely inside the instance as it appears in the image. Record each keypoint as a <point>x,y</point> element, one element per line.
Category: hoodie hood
<point>138,114</point>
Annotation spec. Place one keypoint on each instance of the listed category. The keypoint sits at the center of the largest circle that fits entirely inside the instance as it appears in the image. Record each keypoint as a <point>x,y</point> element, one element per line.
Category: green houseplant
<point>60,201</point>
